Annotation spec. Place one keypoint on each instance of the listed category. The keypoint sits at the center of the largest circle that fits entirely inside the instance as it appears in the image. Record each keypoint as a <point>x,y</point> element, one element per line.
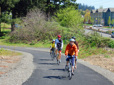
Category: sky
<point>98,3</point>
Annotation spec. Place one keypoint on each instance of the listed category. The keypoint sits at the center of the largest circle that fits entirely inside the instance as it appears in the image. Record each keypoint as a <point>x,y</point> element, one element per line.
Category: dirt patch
<point>105,61</point>
<point>7,63</point>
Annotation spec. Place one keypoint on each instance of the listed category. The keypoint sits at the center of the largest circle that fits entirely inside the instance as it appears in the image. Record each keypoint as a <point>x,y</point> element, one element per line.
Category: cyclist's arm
<point>77,45</point>
<point>62,45</point>
<point>56,44</point>
<point>76,51</point>
<point>66,50</point>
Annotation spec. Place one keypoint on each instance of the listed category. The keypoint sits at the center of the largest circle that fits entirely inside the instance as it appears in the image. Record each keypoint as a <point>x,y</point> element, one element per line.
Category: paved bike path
<point>47,72</point>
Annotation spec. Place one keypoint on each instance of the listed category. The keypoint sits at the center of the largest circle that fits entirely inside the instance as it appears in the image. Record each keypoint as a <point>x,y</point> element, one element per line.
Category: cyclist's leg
<point>59,58</point>
<point>56,51</point>
<point>73,64</point>
<point>50,50</point>
<point>67,60</point>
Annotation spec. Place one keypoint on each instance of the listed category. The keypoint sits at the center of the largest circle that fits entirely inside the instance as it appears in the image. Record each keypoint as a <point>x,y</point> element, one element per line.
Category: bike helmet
<point>59,36</point>
<point>53,40</point>
<point>72,40</point>
<point>73,37</point>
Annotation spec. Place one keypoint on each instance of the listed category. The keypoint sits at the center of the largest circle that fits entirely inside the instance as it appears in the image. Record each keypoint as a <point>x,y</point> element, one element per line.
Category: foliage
<point>36,28</point>
<point>109,20</point>
<point>112,22</point>
<point>69,17</point>
<point>87,16</point>
<point>95,40</point>
<point>7,5</point>
<point>5,17</point>
<point>92,20</point>
<point>111,44</point>
<point>101,7</point>
<point>85,7</point>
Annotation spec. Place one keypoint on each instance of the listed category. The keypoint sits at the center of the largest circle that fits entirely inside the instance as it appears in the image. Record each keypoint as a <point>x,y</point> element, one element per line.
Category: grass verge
<point>4,52</point>
<point>85,51</point>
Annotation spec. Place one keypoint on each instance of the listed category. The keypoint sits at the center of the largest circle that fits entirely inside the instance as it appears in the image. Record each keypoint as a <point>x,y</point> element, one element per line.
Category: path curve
<point>47,72</point>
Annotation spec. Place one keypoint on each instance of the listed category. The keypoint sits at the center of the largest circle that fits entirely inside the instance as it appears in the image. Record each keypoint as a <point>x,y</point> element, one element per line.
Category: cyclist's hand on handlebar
<point>66,56</point>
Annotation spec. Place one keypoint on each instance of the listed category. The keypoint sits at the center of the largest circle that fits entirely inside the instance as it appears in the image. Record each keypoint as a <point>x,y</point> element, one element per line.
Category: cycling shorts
<point>72,59</point>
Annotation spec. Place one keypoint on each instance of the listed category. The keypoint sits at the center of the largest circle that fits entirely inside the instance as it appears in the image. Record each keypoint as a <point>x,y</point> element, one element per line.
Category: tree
<point>109,20</point>
<point>92,20</point>
<point>8,5</point>
<point>69,17</point>
<point>85,7</point>
<point>19,8</point>
<point>113,22</point>
<point>101,7</point>
<point>87,15</point>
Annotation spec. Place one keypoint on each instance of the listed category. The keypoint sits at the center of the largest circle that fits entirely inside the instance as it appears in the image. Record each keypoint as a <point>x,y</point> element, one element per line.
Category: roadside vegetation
<point>4,52</point>
<point>38,32</point>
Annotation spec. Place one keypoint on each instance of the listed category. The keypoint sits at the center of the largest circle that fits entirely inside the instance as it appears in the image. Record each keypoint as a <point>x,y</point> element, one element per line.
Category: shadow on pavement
<point>49,63</point>
<point>45,59</point>
<point>56,77</point>
<point>58,69</point>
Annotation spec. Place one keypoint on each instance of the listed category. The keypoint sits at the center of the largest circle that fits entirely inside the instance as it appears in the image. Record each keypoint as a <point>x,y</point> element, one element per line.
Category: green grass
<point>107,56</point>
<point>85,51</point>
<point>4,52</point>
<point>39,44</point>
<point>88,24</point>
<point>108,27</point>
<point>4,27</point>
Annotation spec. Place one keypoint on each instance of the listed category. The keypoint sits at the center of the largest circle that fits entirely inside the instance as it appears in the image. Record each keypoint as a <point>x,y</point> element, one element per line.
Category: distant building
<point>101,16</point>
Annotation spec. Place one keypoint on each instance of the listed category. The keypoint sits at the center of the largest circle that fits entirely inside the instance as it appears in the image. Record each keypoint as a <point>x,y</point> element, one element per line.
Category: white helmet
<point>53,40</point>
<point>72,40</point>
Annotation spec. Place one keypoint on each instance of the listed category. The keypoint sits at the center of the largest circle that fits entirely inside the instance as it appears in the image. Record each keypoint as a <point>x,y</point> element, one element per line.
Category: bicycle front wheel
<point>70,75</point>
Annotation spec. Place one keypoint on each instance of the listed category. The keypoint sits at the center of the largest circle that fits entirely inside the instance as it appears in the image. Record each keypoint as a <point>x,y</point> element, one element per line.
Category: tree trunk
<point>12,26</point>
<point>13,22</point>
<point>0,26</point>
<point>48,9</point>
<point>0,17</point>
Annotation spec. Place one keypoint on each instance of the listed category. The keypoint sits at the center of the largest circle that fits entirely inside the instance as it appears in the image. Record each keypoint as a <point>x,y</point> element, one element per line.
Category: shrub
<point>108,32</point>
<point>69,17</point>
<point>95,40</point>
<point>111,44</point>
<point>36,28</point>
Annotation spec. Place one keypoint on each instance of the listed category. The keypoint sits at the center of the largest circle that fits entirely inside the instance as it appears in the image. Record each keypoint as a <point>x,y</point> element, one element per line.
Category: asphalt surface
<point>47,72</point>
<point>102,34</point>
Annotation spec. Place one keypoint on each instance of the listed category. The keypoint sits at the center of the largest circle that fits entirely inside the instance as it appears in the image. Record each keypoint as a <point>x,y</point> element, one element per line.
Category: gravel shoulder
<point>19,72</point>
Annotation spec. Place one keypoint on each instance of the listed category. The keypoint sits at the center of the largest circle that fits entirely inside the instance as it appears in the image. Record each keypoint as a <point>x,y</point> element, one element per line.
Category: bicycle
<point>58,61</point>
<point>69,69</point>
<point>53,54</point>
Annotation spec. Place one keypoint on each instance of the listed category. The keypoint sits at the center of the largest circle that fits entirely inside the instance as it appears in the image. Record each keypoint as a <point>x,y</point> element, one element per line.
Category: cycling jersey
<point>58,44</point>
<point>71,50</point>
<point>53,45</point>
<point>76,43</point>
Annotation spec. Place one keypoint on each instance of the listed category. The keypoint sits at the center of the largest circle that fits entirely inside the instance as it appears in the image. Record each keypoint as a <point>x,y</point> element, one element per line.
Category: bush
<point>95,40</point>
<point>69,17</point>
<point>108,32</point>
<point>36,28</point>
<point>111,44</point>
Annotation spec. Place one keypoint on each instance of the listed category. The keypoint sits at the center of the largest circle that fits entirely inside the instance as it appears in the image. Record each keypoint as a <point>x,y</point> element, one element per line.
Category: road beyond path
<point>47,72</point>
<point>102,34</point>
